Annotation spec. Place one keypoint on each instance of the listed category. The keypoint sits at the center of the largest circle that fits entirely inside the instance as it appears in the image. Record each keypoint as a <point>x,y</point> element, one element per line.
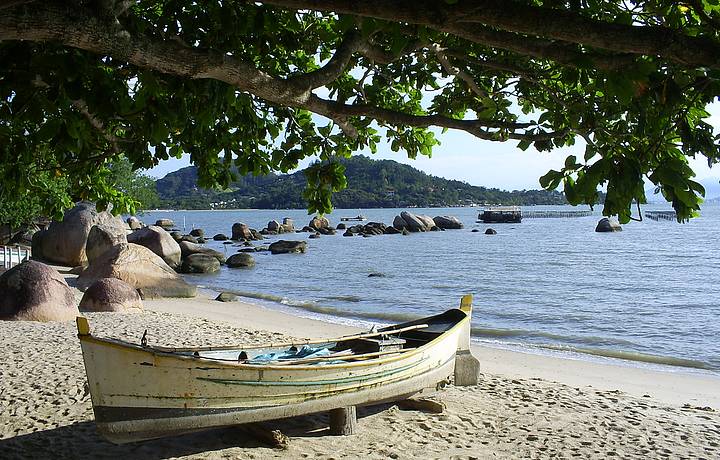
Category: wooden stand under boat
<point>143,392</point>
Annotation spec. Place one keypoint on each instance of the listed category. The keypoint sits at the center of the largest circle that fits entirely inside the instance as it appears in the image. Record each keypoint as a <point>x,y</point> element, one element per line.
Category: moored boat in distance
<point>358,218</point>
<point>141,391</point>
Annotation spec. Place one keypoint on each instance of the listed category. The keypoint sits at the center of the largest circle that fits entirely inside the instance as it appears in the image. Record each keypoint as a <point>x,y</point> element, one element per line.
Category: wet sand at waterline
<point>517,410</point>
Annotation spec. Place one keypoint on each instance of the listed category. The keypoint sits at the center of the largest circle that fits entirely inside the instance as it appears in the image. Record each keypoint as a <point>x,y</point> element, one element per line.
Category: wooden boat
<point>358,218</point>
<point>141,391</point>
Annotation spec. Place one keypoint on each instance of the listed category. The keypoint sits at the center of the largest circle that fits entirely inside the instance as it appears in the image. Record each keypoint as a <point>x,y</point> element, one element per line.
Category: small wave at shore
<point>635,356</point>
<point>581,345</point>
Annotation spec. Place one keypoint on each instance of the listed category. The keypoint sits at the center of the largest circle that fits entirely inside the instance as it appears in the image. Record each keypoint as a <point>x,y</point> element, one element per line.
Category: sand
<point>524,407</point>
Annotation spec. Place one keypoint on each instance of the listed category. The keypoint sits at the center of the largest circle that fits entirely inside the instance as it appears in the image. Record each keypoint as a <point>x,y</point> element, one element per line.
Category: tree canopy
<point>262,85</point>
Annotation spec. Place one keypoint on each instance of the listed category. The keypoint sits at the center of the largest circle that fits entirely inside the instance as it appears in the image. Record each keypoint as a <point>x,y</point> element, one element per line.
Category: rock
<point>197,232</point>
<point>111,294</point>
<point>166,224</point>
<point>348,232</point>
<point>288,225</point>
<point>607,225</point>
<point>201,240</point>
<point>250,249</point>
<point>100,239</point>
<point>64,242</point>
<point>189,239</point>
<point>226,297</point>
<point>391,230</point>
<point>412,222</point>
<point>319,222</point>
<point>286,247</point>
<point>33,291</point>
<point>240,260</point>
<point>187,248</point>
<point>273,226</point>
<point>475,230</point>
<point>200,263</point>
<point>177,236</point>
<point>490,231</point>
<point>405,231</point>
<point>139,267</point>
<point>314,235</point>
<point>241,231</point>
<point>366,235</point>
<point>427,221</point>
<point>308,229</point>
<point>256,235</point>
<point>399,223</point>
<point>227,242</point>
<point>374,228</point>
<point>262,249</point>
<point>158,241</point>
<point>376,275</point>
<point>220,237</point>
<point>448,222</point>
<point>340,226</point>
<point>326,231</point>
<point>134,223</point>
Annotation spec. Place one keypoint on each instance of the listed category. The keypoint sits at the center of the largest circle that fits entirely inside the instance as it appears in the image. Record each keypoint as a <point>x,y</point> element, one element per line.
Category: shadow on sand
<point>81,440</point>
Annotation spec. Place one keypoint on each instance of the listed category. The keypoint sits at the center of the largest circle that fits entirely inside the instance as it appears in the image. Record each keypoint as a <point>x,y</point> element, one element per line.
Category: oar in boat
<point>291,344</point>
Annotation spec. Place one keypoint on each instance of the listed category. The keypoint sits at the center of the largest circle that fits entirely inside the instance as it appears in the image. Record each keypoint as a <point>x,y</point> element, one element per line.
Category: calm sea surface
<point>650,294</point>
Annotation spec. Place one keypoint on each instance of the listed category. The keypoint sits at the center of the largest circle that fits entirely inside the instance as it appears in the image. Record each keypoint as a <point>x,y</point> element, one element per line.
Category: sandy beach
<point>525,406</point>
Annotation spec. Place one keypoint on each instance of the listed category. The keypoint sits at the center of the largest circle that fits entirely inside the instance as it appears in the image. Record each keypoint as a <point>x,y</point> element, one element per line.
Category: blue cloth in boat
<point>305,351</point>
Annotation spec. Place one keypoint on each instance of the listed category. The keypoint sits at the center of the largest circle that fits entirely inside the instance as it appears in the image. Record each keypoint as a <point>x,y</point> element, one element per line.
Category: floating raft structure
<point>661,215</point>
<point>556,214</point>
<point>501,214</point>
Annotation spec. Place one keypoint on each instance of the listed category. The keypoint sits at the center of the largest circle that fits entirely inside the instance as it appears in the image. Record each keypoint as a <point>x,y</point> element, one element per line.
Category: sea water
<point>648,294</point>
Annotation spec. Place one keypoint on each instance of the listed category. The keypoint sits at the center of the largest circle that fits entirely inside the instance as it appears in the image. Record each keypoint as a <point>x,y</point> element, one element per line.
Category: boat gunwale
<point>117,343</point>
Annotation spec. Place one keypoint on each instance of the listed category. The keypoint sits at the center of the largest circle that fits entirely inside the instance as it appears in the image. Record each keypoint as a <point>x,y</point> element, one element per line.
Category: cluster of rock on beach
<point>119,263</point>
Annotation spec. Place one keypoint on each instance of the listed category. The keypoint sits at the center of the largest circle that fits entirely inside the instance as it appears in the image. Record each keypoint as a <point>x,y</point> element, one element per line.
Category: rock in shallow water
<point>240,260</point>
<point>200,263</point>
<point>286,247</point>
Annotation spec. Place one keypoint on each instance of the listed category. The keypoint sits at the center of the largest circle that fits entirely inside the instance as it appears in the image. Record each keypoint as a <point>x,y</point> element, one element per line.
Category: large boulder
<point>134,223</point>
<point>188,248</point>
<point>607,225</point>
<point>319,222</point>
<point>33,291</point>
<point>287,247</point>
<point>111,294</point>
<point>64,242</point>
<point>200,263</point>
<point>139,267</point>
<point>100,239</point>
<point>241,231</point>
<point>158,241</point>
<point>399,223</point>
<point>197,232</point>
<point>412,222</point>
<point>427,221</point>
<point>240,260</point>
<point>448,222</point>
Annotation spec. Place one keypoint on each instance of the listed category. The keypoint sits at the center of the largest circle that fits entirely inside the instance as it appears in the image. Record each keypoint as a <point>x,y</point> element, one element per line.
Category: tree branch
<point>84,31</point>
<point>516,17</point>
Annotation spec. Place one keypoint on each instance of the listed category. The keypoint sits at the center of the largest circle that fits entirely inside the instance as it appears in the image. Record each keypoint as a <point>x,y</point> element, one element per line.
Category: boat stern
<point>467,367</point>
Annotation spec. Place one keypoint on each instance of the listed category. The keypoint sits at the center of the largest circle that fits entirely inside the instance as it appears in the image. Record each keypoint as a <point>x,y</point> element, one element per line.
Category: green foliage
<point>67,114</point>
<point>136,186</point>
<point>370,184</point>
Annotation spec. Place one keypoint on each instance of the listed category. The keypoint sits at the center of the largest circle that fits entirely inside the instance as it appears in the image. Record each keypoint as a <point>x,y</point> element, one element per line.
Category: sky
<point>464,157</point>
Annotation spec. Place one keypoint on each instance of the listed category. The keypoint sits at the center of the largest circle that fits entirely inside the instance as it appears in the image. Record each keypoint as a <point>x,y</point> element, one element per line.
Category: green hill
<point>371,184</point>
